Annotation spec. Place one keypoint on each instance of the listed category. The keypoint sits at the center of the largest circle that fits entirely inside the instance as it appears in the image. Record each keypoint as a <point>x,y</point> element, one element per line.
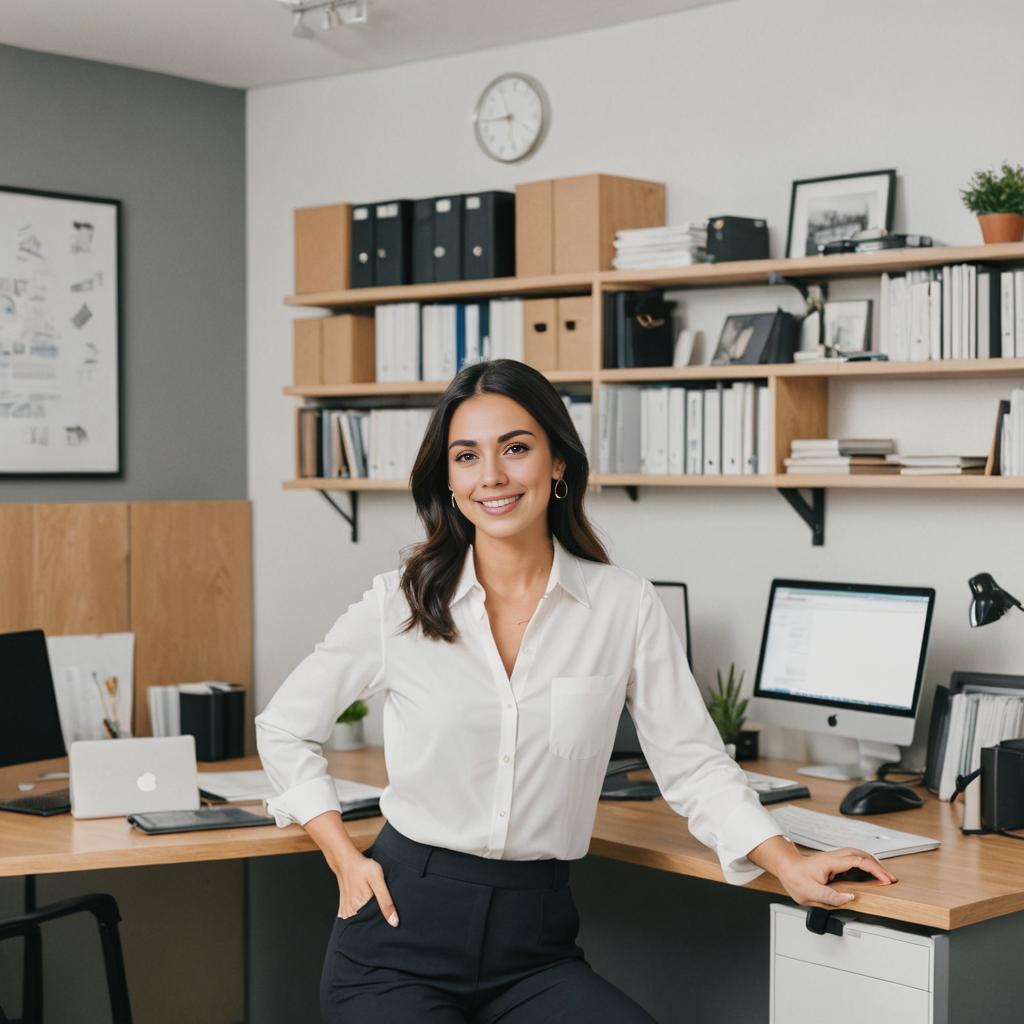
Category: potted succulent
<point>997,197</point>
<point>348,730</point>
<point>727,711</point>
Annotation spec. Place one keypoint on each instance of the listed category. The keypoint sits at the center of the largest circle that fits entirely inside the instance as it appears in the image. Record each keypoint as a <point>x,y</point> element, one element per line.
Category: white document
<point>237,787</point>
<point>93,680</point>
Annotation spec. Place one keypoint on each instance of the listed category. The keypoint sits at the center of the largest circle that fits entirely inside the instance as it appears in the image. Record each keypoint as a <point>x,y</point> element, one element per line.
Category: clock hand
<point>504,117</point>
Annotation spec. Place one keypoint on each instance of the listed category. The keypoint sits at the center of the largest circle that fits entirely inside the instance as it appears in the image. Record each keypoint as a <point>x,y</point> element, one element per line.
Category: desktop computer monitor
<point>674,597</point>
<point>846,659</point>
<point>29,724</point>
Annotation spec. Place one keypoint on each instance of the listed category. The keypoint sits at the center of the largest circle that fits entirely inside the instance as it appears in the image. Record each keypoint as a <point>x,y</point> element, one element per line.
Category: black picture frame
<point>744,339</point>
<point>30,246</point>
<point>810,197</point>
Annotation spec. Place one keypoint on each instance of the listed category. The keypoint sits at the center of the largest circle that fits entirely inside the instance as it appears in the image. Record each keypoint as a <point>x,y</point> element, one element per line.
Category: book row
<point>659,429</point>
<point>961,311</point>
<point>380,444</point>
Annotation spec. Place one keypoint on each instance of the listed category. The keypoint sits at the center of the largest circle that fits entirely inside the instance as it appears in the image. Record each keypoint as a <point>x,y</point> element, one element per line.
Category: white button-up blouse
<point>512,768</point>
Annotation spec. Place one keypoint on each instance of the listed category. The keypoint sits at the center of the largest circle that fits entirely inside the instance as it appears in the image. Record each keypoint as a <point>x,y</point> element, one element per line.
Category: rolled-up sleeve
<point>347,665</point>
<point>684,750</point>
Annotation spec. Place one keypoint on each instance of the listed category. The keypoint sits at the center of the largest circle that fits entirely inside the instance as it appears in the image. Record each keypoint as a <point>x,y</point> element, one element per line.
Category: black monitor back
<point>29,723</point>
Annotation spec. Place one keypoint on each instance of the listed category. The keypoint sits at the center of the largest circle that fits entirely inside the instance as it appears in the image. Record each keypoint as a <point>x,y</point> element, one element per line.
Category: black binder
<point>216,718</point>
<point>361,270</point>
<point>393,236</point>
<point>447,238</point>
<point>423,241</point>
<point>489,235</point>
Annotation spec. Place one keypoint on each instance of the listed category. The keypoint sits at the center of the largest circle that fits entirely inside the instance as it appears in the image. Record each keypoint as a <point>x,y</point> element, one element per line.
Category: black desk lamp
<point>988,600</point>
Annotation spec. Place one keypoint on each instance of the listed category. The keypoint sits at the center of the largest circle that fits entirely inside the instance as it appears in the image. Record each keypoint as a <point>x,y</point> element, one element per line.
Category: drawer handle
<point>820,921</point>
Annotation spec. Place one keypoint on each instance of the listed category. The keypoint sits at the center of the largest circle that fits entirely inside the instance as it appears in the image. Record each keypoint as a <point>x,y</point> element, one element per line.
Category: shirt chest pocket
<point>583,712</point>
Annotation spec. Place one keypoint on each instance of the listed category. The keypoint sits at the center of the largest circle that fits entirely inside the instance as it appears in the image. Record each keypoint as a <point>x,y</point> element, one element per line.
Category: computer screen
<point>30,724</point>
<point>852,647</point>
<point>674,597</point>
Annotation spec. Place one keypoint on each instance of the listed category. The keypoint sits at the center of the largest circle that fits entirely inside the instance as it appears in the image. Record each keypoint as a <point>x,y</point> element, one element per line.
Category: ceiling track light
<point>334,13</point>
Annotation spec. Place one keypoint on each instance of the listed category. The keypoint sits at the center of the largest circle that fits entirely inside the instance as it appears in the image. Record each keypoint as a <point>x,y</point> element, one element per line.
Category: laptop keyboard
<point>57,801</point>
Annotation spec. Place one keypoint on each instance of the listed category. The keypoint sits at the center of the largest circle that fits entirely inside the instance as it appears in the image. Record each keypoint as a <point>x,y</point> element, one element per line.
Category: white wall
<point>728,105</point>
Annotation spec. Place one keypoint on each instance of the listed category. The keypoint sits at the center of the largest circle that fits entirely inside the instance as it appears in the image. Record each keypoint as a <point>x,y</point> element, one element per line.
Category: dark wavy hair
<point>431,569</point>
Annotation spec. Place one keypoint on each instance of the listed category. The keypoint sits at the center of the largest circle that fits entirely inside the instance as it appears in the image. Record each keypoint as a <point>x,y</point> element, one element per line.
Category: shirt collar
<point>565,572</point>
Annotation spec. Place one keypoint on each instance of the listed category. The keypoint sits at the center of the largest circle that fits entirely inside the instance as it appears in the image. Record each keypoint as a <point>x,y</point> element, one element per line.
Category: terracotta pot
<point>1001,227</point>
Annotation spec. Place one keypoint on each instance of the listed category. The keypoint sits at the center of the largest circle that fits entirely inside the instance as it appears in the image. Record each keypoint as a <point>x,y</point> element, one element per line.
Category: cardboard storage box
<point>575,333</point>
<point>535,224</point>
<point>334,350</point>
<point>540,334</point>
<point>589,209</point>
<point>322,244</point>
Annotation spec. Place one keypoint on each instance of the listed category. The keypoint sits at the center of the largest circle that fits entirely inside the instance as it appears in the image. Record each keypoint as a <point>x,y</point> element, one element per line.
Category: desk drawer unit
<point>869,973</point>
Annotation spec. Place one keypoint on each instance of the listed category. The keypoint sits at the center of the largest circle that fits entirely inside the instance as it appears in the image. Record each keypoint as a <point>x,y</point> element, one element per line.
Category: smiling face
<point>497,450</point>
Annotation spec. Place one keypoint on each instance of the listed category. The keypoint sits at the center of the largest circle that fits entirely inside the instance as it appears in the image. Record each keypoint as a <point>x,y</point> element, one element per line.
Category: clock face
<point>511,117</point>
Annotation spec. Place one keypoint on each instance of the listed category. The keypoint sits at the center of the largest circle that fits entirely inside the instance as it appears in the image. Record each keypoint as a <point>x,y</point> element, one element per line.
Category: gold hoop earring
<point>565,493</point>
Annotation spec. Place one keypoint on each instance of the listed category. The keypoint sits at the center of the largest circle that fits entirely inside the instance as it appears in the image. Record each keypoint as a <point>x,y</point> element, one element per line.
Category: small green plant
<point>994,191</point>
<point>353,713</point>
<point>726,709</point>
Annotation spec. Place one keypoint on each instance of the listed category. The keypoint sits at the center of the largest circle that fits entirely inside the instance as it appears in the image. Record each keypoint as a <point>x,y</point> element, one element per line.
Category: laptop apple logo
<point>146,782</point>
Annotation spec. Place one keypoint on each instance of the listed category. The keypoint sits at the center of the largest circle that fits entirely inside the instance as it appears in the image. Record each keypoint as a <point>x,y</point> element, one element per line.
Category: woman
<point>506,647</point>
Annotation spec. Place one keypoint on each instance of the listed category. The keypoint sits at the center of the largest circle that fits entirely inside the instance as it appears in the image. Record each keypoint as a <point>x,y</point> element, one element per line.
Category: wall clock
<point>511,117</point>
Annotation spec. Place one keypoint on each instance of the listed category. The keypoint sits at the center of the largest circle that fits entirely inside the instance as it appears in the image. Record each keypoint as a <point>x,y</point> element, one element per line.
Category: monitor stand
<point>872,757</point>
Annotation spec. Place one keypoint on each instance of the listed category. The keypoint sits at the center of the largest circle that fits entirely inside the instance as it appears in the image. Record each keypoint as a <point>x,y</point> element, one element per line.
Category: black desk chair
<point>104,908</point>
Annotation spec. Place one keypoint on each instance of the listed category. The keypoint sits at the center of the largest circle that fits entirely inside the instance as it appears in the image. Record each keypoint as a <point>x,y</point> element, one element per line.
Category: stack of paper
<point>676,245</point>
<point>841,455</point>
<point>237,787</point>
<point>977,720</point>
<point>938,465</point>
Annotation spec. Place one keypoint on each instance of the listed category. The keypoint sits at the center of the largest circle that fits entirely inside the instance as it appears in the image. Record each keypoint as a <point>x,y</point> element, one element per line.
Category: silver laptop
<point>113,778</point>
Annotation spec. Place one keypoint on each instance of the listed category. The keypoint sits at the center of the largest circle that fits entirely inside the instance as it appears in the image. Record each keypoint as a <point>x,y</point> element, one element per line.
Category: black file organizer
<point>362,262</point>
<point>393,238</point>
<point>489,235</point>
<point>448,238</point>
<point>217,721</point>
<point>423,241</point>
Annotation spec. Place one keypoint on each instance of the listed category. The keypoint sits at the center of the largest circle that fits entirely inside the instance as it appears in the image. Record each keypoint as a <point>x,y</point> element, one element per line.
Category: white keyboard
<point>829,832</point>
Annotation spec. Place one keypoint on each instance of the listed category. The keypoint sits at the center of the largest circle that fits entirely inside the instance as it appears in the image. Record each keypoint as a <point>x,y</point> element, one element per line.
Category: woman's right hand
<point>359,879</point>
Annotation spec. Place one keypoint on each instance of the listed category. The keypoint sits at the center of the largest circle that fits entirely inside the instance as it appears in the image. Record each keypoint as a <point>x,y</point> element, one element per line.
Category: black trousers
<point>479,941</point>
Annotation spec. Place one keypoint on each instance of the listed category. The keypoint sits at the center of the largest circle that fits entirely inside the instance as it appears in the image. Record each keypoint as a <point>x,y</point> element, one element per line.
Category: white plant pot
<point>730,749</point>
<point>347,736</point>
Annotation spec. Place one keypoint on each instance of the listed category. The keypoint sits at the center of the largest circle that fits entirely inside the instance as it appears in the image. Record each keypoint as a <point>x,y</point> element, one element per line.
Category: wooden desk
<point>967,880</point>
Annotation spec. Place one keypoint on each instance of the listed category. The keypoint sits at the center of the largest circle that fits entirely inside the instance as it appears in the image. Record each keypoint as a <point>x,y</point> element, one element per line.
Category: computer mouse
<point>878,797</point>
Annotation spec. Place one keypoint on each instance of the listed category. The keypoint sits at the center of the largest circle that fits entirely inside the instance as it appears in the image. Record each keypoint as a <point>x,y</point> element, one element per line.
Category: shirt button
<point>505,759</point>
<point>508,707</point>
<point>501,814</point>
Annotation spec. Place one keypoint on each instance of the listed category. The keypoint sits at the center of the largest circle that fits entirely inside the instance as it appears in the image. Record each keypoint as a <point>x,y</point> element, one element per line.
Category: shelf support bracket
<point>352,516</point>
<point>633,491</point>
<point>812,513</point>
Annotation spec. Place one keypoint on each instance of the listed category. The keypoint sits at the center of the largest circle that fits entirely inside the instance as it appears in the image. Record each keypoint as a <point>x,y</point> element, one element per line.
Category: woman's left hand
<point>806,876</point>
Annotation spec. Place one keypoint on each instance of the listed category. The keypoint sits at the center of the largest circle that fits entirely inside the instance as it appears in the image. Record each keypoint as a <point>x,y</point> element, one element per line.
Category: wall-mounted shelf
<point>798,392</point>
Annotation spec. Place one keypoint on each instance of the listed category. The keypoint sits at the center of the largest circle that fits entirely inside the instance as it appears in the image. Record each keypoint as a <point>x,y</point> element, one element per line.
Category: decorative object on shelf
<point>997,197</point>
<point>637,329</point>
<point>988,600</point>
<point>847,326</point>
<point>726,708</point>
<point>823,210</point>
<point>511,117</point>
<point>59,334</point>
<point>736,238</point>
<point>752,338</point>
<point>875,240</point>
<point>333,13</point>
<point>347,733</point>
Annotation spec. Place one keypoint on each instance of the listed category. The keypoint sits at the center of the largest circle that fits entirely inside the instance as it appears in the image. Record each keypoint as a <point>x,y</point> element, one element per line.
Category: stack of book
<point>938,465</point>
<point>1007,456</point>
<point>674,245</point>
<point>852,455</point>
<point>956,312</point>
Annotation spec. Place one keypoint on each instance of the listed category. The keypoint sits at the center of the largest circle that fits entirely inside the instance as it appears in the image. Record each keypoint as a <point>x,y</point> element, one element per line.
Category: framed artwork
<point>848,326</point>
<point>827,209</point>
<point>60,334</point>
<point>744,339</point>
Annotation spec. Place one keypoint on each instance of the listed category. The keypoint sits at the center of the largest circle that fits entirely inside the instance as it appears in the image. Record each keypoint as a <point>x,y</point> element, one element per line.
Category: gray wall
<point>173,152</point>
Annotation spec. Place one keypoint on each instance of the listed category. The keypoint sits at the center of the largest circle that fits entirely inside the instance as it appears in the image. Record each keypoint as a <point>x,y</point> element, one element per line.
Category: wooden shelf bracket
<point>352,516</point>
<point>812,513</point>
